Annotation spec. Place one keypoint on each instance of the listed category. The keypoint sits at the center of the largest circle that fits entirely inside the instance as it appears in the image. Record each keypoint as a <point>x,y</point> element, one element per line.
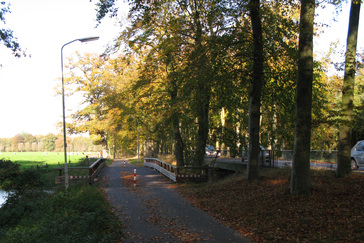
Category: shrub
<point>12,178</point>
<point>8,172</point>
<point>80,214</point>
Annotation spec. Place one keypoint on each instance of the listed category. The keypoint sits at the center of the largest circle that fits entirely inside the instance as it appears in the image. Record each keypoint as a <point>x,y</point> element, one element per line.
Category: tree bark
<point>203,131</point>
<point>347,107</point>
<point>178,142</point>
<point>203,93</point>
<point>255,93</point>
<point>301,178</point>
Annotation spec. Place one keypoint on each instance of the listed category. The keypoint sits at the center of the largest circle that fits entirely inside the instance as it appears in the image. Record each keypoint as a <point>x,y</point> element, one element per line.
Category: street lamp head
<point>89,39</point>
<point>81,40</point>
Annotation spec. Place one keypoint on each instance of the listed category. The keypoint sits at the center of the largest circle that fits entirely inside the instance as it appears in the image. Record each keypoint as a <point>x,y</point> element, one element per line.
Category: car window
<point>360,147</point>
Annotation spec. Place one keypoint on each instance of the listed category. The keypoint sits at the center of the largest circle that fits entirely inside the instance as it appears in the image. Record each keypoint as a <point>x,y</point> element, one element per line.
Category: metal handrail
<point>173,171</point>
<point>93,169</point>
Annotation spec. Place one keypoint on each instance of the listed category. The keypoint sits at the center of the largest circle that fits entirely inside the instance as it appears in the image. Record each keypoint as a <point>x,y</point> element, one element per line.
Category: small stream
<point>3,196</point>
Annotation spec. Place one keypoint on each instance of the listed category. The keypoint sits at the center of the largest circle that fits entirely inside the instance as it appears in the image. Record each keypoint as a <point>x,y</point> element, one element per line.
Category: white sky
<point>27,98</point>
<point>28,102</point>
<point>337,30</point>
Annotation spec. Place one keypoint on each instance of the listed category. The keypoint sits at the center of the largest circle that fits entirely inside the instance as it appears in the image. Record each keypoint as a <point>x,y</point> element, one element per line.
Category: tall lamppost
<point>64,108</point>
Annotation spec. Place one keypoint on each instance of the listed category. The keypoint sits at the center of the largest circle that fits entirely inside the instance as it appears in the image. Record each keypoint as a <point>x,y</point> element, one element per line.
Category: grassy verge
<point>80,214</point>
<point>265,210</point>
<point>52,159</point>
<point>135,162</point>
<point>35,214</point>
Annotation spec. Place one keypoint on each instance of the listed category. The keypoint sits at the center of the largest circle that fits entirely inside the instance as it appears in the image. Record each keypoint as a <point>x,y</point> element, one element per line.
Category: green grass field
<point>53,159</point>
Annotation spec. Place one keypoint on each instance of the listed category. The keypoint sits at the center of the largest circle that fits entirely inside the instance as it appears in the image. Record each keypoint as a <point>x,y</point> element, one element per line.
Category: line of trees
<point>26,142</point>
<point>184,74</point>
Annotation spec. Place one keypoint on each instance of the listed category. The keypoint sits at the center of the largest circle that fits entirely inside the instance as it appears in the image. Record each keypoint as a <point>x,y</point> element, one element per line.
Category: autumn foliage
<point>266,211</point>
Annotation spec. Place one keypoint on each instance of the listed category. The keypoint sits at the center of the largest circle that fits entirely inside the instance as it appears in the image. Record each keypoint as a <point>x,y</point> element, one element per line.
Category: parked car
<point>357,155</point>
<point>211,151</point>
<point>264,155</point>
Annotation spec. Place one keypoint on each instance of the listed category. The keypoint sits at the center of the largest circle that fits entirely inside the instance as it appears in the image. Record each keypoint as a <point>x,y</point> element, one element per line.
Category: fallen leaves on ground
<point>266,211</point>
<point>154,212</point>
<point>127,179</point>
<point>174,227</point>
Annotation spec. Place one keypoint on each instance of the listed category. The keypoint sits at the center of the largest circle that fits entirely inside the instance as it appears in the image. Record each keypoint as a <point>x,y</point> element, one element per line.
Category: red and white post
<point>134,177</point>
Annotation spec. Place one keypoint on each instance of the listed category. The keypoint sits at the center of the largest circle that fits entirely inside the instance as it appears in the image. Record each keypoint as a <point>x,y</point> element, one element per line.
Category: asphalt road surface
<point>153,211</point>
<point>282,163</point>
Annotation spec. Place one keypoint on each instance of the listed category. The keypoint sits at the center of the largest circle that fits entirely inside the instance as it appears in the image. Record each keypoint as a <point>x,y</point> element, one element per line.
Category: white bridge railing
<point>166,169</point>
<point>175,173</point>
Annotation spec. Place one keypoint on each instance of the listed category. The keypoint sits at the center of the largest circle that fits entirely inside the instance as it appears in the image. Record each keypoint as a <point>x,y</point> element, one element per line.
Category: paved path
<point>154,212</point>
<point>283,163</point>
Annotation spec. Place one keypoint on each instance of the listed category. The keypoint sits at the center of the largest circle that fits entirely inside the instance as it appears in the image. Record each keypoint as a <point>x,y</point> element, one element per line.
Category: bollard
<point>134,177</point>
<point>124,163</point>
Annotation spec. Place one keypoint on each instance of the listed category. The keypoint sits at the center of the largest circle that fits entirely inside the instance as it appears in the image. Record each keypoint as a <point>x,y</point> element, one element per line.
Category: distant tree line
<point>26,142</point>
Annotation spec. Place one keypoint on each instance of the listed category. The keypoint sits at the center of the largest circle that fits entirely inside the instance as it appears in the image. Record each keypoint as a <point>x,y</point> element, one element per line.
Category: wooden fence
<point>178,174</point>
<point>93,172</point>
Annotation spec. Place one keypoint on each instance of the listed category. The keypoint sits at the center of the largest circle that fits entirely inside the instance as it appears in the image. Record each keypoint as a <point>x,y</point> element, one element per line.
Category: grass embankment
<point>266,211</point>
<point>80,214</point>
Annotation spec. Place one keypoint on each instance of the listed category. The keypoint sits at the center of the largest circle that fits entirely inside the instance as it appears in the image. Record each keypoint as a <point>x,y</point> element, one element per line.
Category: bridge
<point>93,171</point>
<point>178,173</point>
<point>193,173</point>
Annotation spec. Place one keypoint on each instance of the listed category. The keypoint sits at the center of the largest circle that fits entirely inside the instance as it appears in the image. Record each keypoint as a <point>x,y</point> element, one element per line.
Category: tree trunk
<point>255,93</point>
<point>178,149</point>
<point>347,107</point>
<point>301,178</point>
<point>178,142</point>
<point>203,131</point>
<point>202,93</point>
